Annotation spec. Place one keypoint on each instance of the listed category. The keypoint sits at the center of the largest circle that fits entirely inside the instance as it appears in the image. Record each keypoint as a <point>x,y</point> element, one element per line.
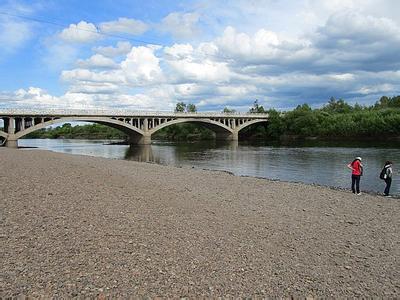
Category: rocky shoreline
<point>86,226</point>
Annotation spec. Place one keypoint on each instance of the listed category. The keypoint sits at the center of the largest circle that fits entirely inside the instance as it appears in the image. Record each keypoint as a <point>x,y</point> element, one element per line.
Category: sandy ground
<point>85,226</point>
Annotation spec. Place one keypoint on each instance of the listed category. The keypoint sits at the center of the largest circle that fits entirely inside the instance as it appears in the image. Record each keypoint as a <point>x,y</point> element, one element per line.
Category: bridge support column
<point>235,136</point>
<point>232,136</point>
<point>11,126</point>
<point>145,140</point>
<point>11,142</point>
<point>140,139</point>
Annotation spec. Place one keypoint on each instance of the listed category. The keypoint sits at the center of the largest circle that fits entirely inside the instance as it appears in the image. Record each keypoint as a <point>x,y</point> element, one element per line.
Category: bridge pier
<point>234,136</point>
<point>140,139</point>
<point>145,140</point>
<point>10,143</point>
<point>231,136</point>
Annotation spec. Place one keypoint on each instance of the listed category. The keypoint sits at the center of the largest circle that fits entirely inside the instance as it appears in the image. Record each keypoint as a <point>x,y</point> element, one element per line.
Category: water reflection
<point>321,165</point>
<point>141,153</point>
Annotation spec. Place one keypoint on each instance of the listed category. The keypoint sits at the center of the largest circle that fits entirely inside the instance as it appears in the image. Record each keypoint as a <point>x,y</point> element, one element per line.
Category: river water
<point>309,164</point>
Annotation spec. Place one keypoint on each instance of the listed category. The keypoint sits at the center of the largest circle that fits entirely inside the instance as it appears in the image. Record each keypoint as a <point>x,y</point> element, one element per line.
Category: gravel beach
<point>86,226</point>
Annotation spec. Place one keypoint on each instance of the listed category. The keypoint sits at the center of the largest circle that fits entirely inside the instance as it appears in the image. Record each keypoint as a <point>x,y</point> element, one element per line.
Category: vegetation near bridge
<point>337,119</point>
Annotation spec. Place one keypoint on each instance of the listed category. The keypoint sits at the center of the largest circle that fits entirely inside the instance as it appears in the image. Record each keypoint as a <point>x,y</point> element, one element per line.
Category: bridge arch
<point>215,126</point>
<point>125,127</point>
<point>252,122</point>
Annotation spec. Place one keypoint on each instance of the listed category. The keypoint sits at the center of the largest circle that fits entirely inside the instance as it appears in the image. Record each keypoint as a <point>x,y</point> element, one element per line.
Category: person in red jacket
<point>356,172</point>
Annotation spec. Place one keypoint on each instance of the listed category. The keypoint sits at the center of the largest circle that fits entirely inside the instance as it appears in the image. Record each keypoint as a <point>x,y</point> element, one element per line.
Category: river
<point>321,165</point>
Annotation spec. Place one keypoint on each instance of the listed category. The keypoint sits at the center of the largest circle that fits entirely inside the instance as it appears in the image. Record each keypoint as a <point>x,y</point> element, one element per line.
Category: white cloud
<point>207,49</point>
<point>160,98</point>
<point>264,47</point>
<point>101,75</point>
<point>124,25</point>
<point>378,88</point>
<point>32,97</point>
<point>97,61</point>
<point>238,66</point>
<point>205,71</point>
<point>155,99</point>
<point>85,81</point>
<point>122,48</point>
<point>342,77</point>
<point>187,90</point>
<point>286,51</point>
<point>237,90</point>
<point>187,66</point>
<point>179,51</point>
<point>82,32</point>
<point>94,88</point>
<point>141,66</point>
<point>181,25</point>
<point>90,76</point>
<point>357,28</point>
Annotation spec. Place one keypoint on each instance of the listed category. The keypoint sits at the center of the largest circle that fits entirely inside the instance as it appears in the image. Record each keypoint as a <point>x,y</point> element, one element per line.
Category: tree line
<point>67,131</point>
<point>335,120</point>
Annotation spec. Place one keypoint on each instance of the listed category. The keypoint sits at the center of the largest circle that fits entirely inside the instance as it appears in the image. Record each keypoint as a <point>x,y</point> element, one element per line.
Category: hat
<point>359,158</point>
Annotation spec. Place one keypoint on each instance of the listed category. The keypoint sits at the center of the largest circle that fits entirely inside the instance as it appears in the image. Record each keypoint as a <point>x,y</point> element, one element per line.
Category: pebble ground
<point>77,226</point>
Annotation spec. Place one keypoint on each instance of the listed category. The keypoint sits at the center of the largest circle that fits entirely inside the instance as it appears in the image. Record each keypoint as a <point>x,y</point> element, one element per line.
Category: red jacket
<point>356,165</point>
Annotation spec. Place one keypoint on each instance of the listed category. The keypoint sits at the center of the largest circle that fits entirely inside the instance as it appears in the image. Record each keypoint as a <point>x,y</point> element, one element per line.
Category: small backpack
<point>383,173</point>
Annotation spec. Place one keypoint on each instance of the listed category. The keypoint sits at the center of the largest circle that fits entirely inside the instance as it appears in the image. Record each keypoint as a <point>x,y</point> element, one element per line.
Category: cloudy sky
<point>149,55</point>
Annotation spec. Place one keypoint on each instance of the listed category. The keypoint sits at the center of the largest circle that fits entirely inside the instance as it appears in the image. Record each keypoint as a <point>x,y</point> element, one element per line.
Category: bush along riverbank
<point>337,120</point>
<point>67,131</point>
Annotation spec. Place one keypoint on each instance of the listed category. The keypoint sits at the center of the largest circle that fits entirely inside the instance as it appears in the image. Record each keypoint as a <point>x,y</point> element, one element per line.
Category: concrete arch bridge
<point>139,126</point>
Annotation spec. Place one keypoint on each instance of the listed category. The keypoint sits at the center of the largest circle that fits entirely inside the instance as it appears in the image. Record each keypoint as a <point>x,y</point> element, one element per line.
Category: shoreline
<point>76,225</point>
<point>338,188</point>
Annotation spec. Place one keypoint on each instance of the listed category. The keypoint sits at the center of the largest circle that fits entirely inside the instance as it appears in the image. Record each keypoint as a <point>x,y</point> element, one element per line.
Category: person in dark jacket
<point>387,176</point>
<point>356,172</point>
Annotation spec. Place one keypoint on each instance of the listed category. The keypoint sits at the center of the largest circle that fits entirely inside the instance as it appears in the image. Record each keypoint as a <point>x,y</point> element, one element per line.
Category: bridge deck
<point>123,113</point>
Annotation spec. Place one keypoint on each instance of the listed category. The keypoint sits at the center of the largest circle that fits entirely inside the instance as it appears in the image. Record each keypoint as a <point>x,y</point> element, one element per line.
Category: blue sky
<point>149,55</point>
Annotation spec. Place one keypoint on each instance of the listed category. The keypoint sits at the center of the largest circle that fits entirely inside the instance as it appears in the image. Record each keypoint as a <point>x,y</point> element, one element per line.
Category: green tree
<point>276,125</point>
<point>180,107</point>
<point>337,106</point>
<point>191,108</point>
<point>395,102</point>
<point>383,102</point>
<point>183,107</point>
<point>358,107</point>
<point>227,110</point>
<point>303,108</point>
<point>257,108</point>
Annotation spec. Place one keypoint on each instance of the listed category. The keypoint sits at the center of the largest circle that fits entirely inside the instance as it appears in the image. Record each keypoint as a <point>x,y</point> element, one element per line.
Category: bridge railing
<point>123,113</point>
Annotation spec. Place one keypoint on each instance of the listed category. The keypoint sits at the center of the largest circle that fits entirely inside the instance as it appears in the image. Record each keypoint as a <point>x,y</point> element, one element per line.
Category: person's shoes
<point>358,194</point>
<point>387,195</point>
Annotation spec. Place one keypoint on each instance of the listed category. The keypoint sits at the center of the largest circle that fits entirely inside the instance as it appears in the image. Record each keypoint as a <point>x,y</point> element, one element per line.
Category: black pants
<point>355,181</point>
<point>388,184</point>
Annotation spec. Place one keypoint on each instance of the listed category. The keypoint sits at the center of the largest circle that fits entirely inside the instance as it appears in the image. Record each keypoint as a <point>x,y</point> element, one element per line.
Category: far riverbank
<point>87,226</point>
